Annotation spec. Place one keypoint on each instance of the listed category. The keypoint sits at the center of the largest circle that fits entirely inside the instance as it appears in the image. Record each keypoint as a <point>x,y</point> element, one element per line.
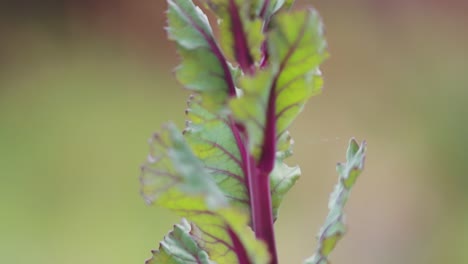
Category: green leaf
<point>241,34</point>
<point>273,6</point>
<point>287,3</point>
<point>188,25</point>
<point>250,109</point>
<point>277,5</point>
<point>282,179</point>
<point>212,141</point>
<point>296,47</point>
<point>173,177</point>
<point>172,163</point>
<point>204,68</point>
<point>180,247</point>
<point>334,228</point>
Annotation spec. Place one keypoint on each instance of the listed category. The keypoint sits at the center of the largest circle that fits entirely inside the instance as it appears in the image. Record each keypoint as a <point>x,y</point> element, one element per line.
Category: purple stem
<point>239,248</point>
<point>227,72</point>
<point>267,159</point>
<point>261,194</point>
<point>256,175</point>
<point>258,186</point>
<point>262,213</point>
<point>241,46</point>
<point>264,9</point>
<point>237,131</point>
<point>257,178</point>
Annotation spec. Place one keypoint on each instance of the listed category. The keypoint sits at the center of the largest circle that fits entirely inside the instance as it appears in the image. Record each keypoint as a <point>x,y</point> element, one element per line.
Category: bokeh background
<point>83,84</point>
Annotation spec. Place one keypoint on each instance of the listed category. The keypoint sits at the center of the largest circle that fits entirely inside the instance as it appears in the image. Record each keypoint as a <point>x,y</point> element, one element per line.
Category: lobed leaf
<point>296,48</point>
<point>175,178</point>
<point>334,228</point>
<point>204,68</point>
<point>180,247</point>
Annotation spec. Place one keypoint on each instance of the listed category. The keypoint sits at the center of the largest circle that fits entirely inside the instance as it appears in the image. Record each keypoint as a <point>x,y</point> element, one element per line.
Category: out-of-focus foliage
<point>334,228</point>
<point>179,247</point>
<point>175,178</point>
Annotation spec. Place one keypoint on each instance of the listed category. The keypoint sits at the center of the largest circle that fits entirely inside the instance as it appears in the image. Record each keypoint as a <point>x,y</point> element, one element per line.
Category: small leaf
<point>204,68</point>
<point>180,247</point>
<point>334,228</point>
<point>282,179</point>
<point>353,148</point>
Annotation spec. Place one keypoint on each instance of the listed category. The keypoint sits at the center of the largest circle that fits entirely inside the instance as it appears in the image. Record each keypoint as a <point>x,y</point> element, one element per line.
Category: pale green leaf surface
<point>296,47</point>
<point>171,163</point>
<point>282,179</point>
<point>252,27</point>
<point>180,247</point>
<point>250,109</point>
<point>333,229</point>
<point>175,178</point>
<point>203,67</point>
<point>212,141</point>
<point>253,31</point>
<point>273,7</point>
<point>188,25</point>
<point>197,72</point>
<point>277,5</point>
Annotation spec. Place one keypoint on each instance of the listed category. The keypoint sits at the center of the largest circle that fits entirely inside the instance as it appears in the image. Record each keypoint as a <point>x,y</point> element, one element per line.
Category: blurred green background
<point>83,84</point>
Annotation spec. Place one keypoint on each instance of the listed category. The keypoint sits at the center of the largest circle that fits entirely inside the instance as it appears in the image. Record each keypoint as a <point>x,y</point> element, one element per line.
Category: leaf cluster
<point>225,173</point>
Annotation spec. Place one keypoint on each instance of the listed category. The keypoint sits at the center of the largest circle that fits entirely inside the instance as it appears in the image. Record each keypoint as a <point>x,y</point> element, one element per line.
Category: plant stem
<point>242,52</point>
<point>262,213</point>
<point>264,8</point>
<point>257,176</point>
<point>258,185</point>
<point>261,194</point>
<point>243,149</point>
